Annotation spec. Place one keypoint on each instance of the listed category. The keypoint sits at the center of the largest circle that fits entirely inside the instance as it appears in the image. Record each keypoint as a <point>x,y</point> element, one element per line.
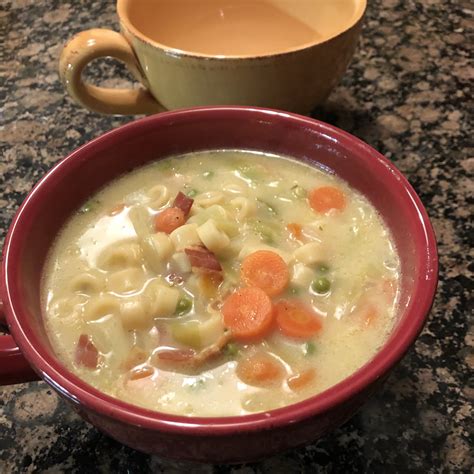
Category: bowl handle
<point>13,366</point>
<point>98,43</point>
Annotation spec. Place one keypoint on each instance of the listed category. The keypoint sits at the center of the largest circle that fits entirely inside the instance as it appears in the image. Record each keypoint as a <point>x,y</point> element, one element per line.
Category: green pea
<point>321,285</point>
<point>231,349</point>
<point>309,348</point>
<point>191,193</point>
<point>184,306</point>
<point>298,191</point>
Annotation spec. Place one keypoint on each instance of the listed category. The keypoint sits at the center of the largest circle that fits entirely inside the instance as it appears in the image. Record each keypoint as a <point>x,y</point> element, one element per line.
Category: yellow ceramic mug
<point>291,78</point>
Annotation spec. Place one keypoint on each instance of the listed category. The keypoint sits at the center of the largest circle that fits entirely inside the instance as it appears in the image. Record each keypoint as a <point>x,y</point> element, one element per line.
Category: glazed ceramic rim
<point>359,11</point>
<point>82,394</point>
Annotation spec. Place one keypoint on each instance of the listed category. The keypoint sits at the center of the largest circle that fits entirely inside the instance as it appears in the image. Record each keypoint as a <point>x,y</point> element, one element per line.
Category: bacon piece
<point>212,350</point>
<point>141,373</point>
<point>190,358</point>
<point>86,353</point>
<point>183,202</point>
<point>176,355</point>
<point>202,258</point>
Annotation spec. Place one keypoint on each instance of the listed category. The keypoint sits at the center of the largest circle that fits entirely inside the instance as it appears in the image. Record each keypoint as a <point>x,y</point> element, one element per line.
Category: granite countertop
<point>407,94</point>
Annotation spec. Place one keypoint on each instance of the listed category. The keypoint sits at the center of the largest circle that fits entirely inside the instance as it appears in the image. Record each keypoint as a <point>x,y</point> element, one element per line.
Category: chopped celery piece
<point>184,306</point>
<point>298,191</point>
<point>322,268</point>
<point>249,172</point>
<point>231,349</point>
<point>309,348</point>
<point>198,384</point>
<point>164,165</point>
<point>268,207</point>
<point>89,206</point>
<point>265,231</point>
<point>192,193</point>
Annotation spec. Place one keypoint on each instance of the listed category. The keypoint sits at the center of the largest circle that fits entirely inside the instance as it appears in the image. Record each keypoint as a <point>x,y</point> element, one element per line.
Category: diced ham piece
<point>183,202</point>
<point>203,259</point>
<point>87,354</point>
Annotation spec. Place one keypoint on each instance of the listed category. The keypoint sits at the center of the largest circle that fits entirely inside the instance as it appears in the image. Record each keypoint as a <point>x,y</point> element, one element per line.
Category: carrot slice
<point>326,198</point>
<point>266,270</point>
<point>169,220</point>
<point>248,313</point>
<point>295,319</point>
<point>295,230</point>
<point>260,369</point>
<point>301,380</point>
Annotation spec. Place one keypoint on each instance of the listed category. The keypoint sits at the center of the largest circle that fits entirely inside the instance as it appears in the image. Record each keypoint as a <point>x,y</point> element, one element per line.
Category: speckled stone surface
<point>407,94</point>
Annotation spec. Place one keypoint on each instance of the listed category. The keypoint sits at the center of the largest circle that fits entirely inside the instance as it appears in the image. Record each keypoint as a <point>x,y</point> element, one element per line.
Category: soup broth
<point>236,27</point>
<point>221,283</point>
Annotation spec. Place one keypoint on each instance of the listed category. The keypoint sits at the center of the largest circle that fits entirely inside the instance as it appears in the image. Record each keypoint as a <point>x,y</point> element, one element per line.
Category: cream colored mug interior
<point>237,28</point>
<point>199,33</point>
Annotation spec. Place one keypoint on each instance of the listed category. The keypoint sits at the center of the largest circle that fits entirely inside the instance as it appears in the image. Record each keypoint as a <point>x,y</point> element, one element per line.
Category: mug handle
<point>13,366</point>
<point>98,43</point>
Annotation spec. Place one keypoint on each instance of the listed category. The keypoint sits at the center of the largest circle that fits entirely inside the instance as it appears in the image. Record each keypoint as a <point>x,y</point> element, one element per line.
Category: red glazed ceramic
<point>82,173</point>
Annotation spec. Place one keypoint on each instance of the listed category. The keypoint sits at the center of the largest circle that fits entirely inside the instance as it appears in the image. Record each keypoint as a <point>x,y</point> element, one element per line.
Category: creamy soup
<point>221,283</point>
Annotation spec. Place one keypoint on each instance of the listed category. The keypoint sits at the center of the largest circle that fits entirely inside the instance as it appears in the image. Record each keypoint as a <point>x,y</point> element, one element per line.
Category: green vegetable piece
<point>309,348</point>
<point>266,233</point>
<point>184,306</point>
<point>321,285</point>
<point>198,384</point>
<point>191,193</point>
<point>249,172</point>
<point>298,191</point>
<point>187,333</point>
<point>231,349</point>
<point>164,165</point>
<point>322,268</point>
<point>88,206</point>
<point>208,174</point>
<point>268,207</point>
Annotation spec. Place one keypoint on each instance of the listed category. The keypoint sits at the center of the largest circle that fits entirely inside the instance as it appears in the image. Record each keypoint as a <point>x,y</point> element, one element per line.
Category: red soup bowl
<point>27,353</point>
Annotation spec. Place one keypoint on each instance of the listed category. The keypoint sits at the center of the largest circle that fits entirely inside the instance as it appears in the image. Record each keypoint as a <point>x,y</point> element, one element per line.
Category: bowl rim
<point>84,395</point>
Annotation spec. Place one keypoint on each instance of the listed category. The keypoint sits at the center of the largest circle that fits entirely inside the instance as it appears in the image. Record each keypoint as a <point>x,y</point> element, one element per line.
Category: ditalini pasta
<point>221,283</point>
